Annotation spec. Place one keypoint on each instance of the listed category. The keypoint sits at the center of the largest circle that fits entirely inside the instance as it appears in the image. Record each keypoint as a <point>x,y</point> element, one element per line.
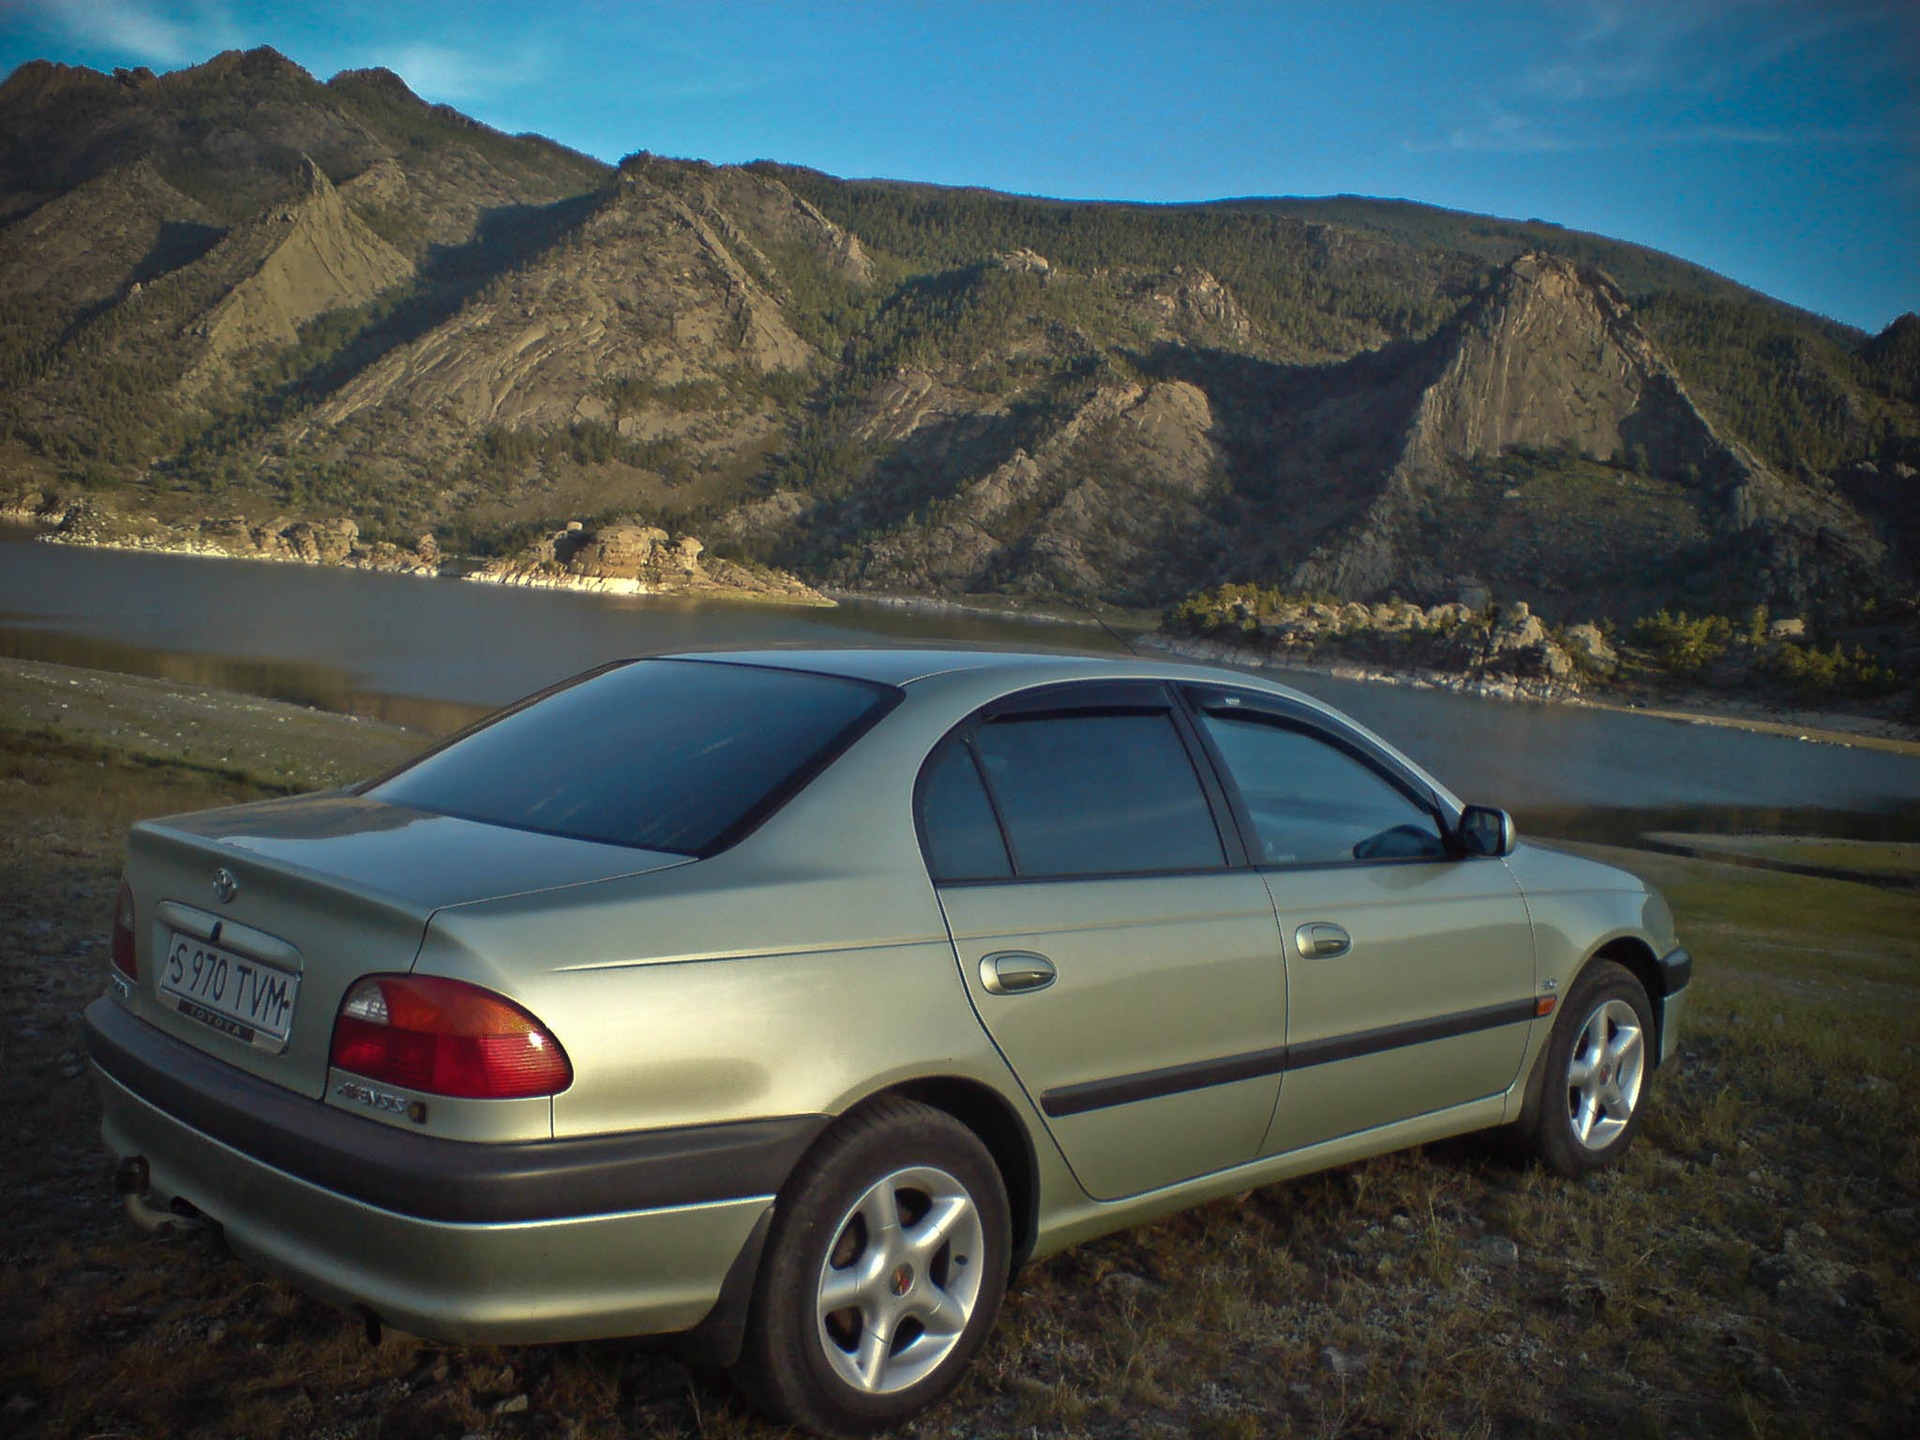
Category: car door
<point>1410,967</point>
<point>1130,976</point>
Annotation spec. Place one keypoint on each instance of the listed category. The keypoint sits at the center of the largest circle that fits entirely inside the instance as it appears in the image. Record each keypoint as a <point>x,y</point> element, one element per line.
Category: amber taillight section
<point>125,959</point>
<point>446,1037</point>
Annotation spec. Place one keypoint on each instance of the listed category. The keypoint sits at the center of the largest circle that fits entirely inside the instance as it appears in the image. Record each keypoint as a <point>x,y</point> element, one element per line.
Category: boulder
<point>1589,647</point>
<point>1516,628</point>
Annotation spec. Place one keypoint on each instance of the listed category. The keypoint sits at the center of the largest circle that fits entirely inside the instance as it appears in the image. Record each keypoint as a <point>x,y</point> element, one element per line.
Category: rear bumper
<point>462,1242</point>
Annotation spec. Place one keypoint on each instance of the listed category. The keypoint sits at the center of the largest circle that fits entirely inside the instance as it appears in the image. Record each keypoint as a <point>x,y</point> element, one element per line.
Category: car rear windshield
<point>677,755</point>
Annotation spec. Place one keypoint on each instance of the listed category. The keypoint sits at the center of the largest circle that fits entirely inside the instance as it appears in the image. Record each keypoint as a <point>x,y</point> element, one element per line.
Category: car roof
<point>888,665</point>
<point>901,667</point>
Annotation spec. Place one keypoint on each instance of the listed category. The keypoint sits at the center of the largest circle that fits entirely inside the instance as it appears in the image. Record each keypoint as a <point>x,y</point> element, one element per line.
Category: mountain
<point>234,291</point>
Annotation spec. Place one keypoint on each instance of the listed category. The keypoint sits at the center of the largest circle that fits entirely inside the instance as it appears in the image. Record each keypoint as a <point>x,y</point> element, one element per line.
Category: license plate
<point>235,994</point>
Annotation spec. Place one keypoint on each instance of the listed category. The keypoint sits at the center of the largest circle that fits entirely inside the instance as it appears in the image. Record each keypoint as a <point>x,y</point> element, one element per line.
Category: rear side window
<point>676,755</point>
<point>1092,794</point>
<point>962,836</point>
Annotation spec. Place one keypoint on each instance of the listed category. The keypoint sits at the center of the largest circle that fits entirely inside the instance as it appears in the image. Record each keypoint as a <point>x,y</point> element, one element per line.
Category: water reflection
<point>318,686</point>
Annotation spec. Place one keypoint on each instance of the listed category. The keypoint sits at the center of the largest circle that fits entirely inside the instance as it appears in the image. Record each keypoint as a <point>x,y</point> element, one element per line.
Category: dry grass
<point>1753,1269</point>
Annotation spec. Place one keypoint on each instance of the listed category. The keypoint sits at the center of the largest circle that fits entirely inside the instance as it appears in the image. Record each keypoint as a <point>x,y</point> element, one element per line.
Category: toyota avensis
<point>793,999</point>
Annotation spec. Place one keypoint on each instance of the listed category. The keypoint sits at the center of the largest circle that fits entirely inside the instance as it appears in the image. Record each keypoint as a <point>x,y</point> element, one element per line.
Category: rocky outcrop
<point>742,203</point>
<point>1506,651</point>
<point>1021,262</point>
<point>621,558</point>
<point>236,537</point>
<point>27,504</point>
<point>1590,649</point>
<point>630,558</point>
<point>1190,306</point>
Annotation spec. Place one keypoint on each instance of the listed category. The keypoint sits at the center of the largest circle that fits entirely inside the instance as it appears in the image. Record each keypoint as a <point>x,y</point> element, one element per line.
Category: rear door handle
<point>1014,972</point>
<point>1321,940</point>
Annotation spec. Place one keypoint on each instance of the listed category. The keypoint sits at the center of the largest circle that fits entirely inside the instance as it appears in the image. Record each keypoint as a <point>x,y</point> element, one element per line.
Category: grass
<point>1881,858</point>
<point>1752,1269</point>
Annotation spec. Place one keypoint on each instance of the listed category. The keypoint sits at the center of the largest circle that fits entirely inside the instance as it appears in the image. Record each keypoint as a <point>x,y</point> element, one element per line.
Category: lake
<point>434,654</point>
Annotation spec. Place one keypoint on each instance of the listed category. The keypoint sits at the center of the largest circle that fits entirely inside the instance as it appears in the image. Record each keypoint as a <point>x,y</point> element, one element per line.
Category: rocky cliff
<point>303,257</point>
<point>1551,359</point>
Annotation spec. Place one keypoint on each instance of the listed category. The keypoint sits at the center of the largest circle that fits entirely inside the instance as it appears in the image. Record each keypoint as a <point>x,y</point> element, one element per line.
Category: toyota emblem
<point>225,887</point>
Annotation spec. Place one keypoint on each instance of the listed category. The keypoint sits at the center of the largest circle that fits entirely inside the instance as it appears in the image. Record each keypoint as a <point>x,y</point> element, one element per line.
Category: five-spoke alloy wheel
<point>1605,1073</point>
<point>1594,1071</point>
<point>901,1279</point>
<point>883,1272</point>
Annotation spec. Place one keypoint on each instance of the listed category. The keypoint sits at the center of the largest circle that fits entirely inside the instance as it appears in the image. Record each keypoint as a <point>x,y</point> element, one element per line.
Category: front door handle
<point>1322,940</point>
<point>1014,972</point>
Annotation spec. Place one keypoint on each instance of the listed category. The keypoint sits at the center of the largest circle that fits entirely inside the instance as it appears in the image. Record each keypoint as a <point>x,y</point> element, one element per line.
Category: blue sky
<point>1776,141</point>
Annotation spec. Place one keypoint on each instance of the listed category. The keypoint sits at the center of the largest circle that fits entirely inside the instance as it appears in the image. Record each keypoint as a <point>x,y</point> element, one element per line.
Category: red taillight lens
<point>125,959</point>
<point>446,1037</point>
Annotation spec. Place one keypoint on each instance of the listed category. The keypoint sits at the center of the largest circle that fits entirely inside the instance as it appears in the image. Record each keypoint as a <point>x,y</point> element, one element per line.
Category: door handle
<point>1014,972</point>
<point>1321,940</point>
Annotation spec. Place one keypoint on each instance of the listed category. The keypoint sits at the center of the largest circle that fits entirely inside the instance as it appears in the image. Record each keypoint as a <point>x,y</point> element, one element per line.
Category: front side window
<point>1312,803</point>
<point>1094,794</point>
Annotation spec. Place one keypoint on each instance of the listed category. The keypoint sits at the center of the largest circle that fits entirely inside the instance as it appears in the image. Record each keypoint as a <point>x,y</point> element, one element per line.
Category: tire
<point>1595,1073</point>
<point>900,1212</point>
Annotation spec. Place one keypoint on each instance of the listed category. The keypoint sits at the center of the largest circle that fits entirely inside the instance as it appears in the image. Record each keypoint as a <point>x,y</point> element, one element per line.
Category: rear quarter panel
<point>806,967</point>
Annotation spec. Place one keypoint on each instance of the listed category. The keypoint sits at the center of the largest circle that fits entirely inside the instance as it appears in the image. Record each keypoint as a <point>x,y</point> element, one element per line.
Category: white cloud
<point>441,72</point>
<point>1500,131</point>
<point>1777,137</point>
<point>1631,47</point>
<point>1618,66</point>
<point>153,34</point>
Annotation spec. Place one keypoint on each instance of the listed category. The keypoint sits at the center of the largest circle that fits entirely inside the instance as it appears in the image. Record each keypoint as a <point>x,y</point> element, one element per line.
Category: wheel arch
<point>994,1121</point>
<point>1636,957</point>
<point>716,1342</point>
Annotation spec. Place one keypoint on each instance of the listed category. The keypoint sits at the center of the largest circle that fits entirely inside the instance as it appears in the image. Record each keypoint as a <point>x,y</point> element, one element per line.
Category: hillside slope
<point>236,290</point>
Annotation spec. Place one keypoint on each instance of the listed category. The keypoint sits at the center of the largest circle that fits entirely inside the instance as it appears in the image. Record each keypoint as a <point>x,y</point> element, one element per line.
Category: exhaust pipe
<point>132,1181</point>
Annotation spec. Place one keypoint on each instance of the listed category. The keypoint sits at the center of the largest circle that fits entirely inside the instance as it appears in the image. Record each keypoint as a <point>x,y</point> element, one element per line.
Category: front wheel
<point>884,1271</point>
<point>1596,1071</point>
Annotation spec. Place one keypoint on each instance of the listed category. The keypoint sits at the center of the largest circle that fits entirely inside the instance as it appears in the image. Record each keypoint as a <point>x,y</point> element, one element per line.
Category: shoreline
<point>447,568</point>
<point>1812,727</point>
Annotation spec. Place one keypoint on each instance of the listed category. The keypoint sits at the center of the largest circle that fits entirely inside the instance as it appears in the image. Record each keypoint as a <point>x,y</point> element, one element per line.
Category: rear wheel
<point>1596,1070</point>
<point>884,1271</point>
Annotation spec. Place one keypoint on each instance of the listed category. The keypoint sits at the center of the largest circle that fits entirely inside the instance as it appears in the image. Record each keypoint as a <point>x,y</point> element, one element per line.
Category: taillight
<point>125,959</point>
<point>445,1037</point>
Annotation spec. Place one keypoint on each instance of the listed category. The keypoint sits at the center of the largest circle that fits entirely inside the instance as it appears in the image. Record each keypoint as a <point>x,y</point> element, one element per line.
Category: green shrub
<point>1681,645</point>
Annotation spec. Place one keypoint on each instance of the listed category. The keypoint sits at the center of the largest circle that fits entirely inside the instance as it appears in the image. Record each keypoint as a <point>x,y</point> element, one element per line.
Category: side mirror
<point>1484,830</point>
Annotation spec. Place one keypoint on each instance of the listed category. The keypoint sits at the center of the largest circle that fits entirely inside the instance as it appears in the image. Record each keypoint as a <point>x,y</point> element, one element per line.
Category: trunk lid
<point>288,902</point>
